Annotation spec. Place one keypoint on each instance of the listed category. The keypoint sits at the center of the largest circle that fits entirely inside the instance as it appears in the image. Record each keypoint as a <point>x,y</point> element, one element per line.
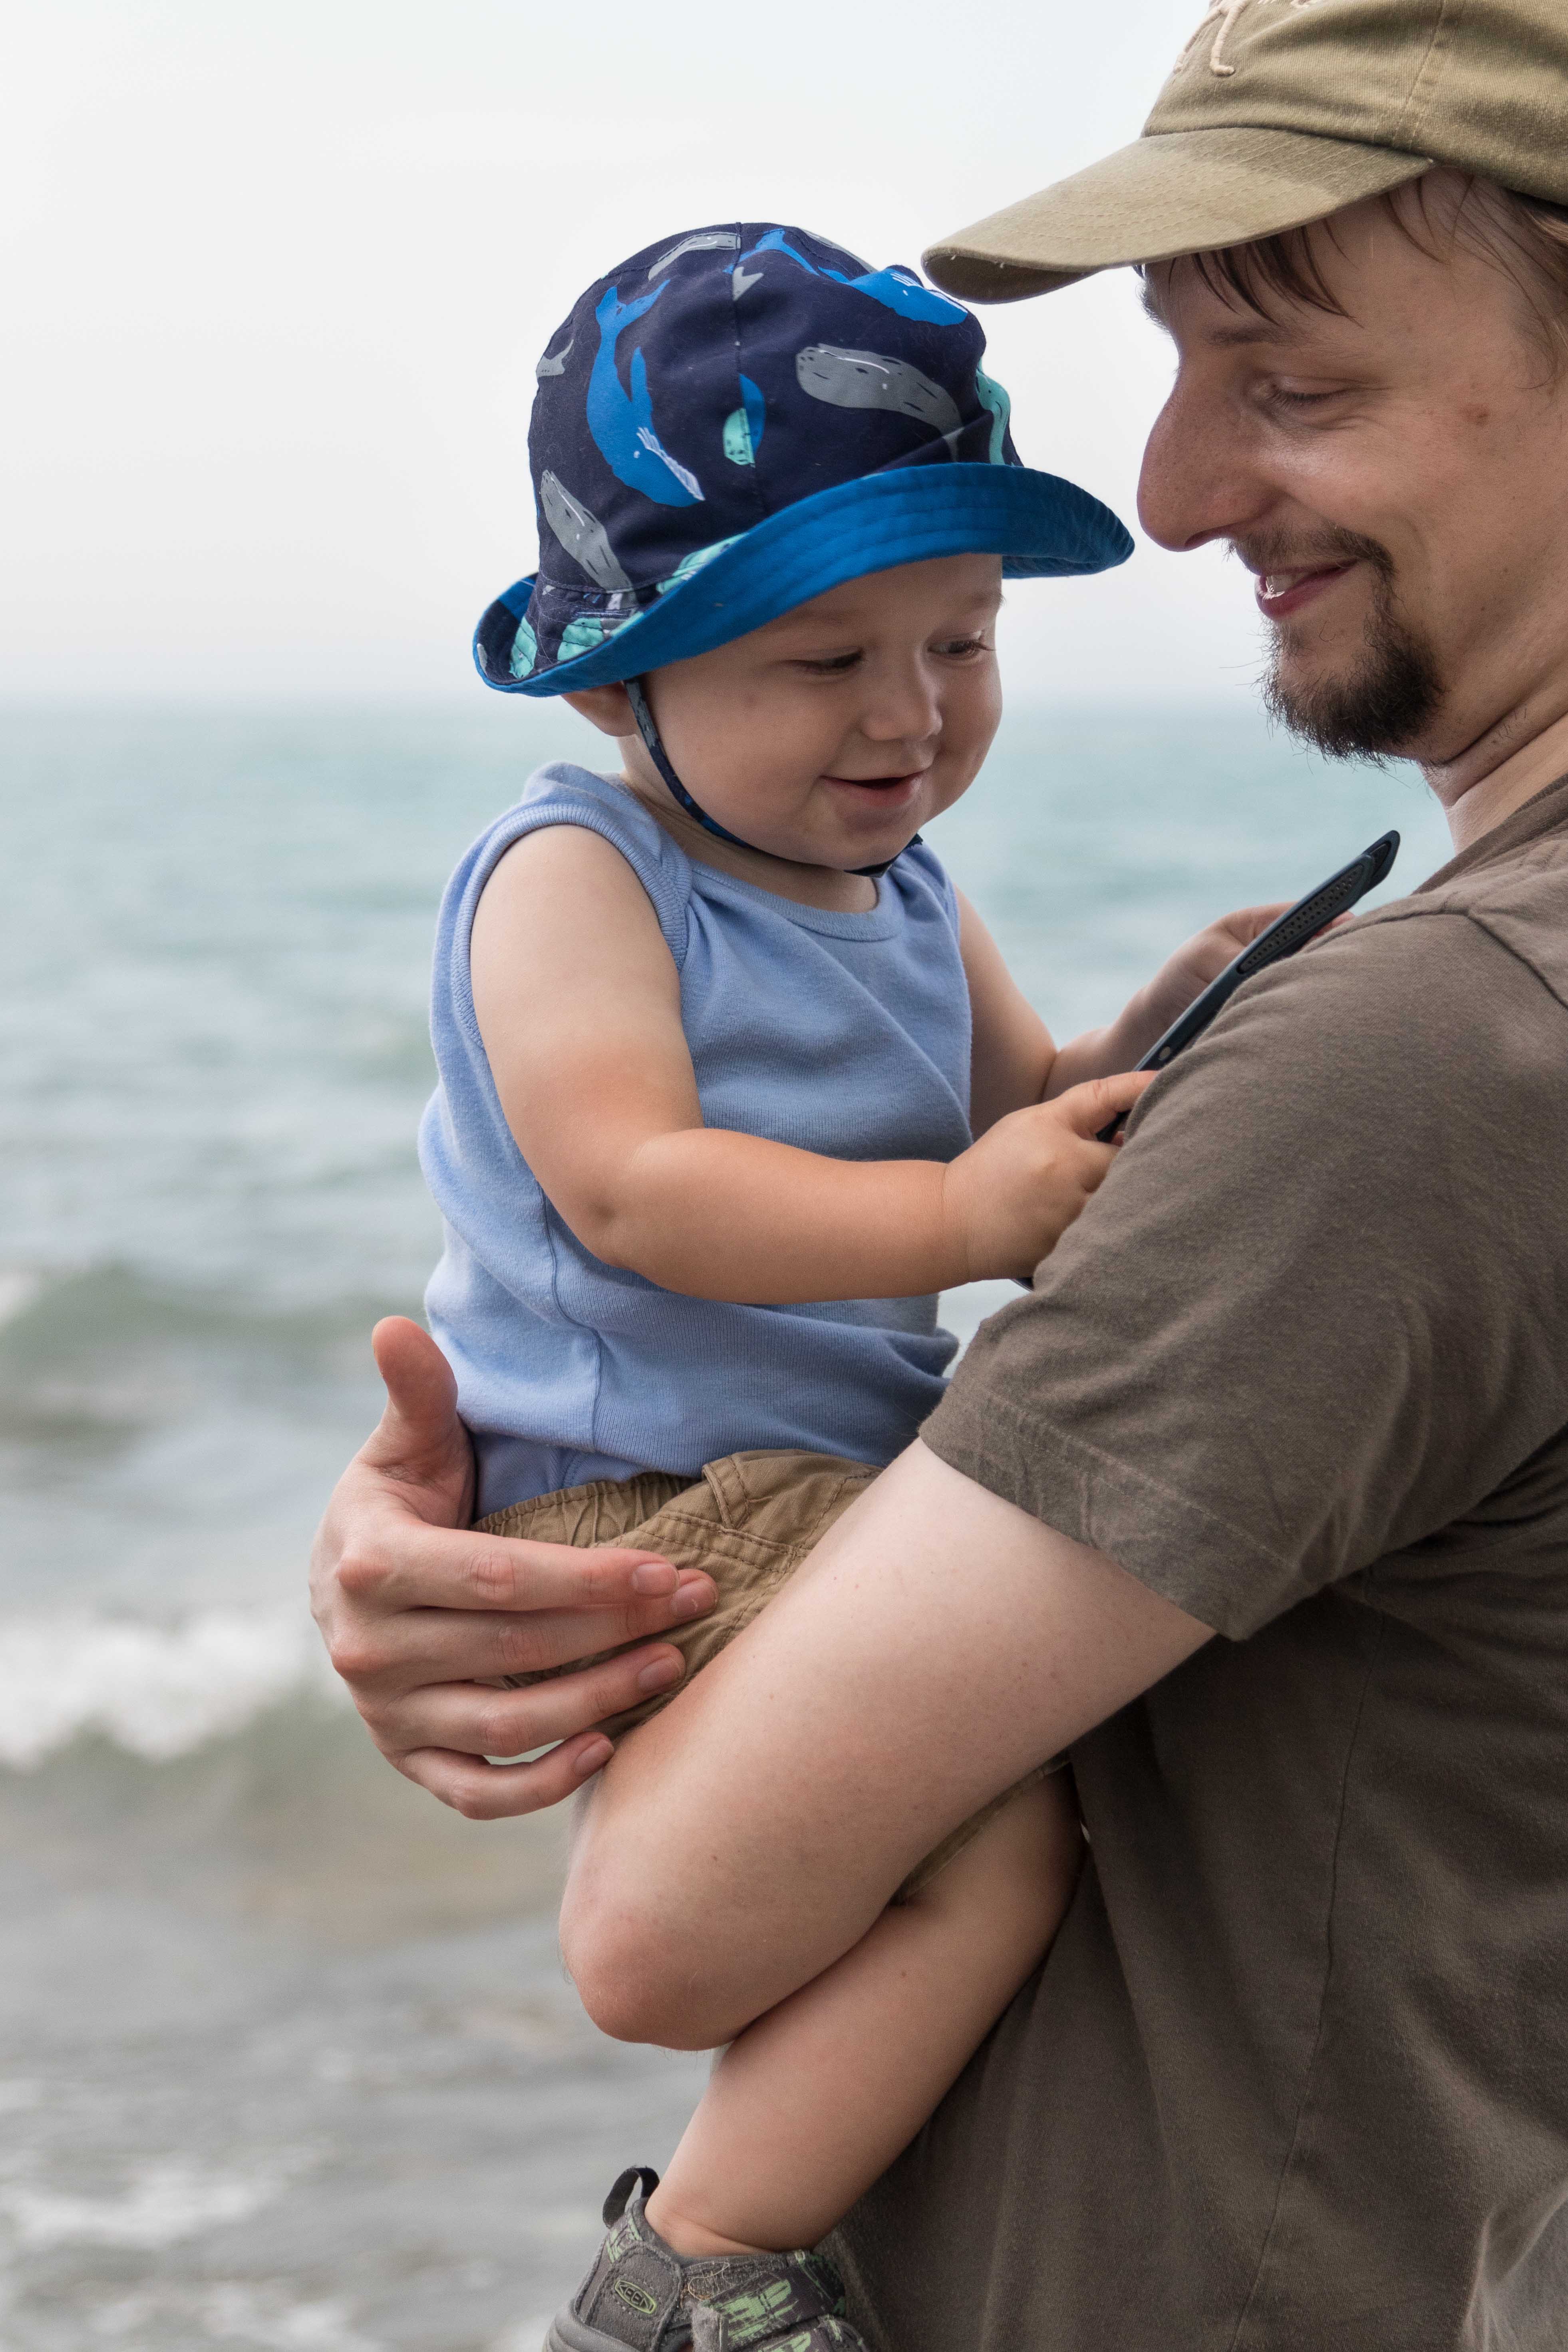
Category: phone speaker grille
<point>1293,929</point>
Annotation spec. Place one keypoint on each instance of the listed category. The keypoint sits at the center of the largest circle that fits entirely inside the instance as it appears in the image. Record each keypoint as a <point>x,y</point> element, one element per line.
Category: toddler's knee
<point>633,1983</point>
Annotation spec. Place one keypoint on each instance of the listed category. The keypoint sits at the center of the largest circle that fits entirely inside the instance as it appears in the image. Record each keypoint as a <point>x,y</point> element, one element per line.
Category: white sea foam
<point>524,2336</point>
<point>238,2311</point>
<point>19,1288</point>
<point>163,2204</point>
<point>229,2311</point>
<point>156,1691</point>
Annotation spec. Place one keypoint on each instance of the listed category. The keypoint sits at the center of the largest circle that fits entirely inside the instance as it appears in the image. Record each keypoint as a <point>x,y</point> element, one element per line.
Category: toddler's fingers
<point>1094,1105</point>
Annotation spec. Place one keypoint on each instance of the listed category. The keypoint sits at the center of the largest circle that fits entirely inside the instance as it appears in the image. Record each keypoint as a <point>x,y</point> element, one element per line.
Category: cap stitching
<point>1417,106</point>
<point>1227,11</point>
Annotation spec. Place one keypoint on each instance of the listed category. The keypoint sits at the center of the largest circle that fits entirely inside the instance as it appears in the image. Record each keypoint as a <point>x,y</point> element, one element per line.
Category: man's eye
<point>1280,395</point>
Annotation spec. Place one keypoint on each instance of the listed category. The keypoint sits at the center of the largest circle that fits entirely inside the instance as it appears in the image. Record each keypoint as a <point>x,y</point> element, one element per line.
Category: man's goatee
<point>1376,713</point>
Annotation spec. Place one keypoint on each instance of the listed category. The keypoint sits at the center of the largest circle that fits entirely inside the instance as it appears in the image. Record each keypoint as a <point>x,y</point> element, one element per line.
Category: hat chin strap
<point>661,760</point>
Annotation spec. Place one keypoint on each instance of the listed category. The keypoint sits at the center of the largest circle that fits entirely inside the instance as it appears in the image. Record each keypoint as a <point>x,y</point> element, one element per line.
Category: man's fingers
<point>420,1421</point>
<point>471,1720</point>
<point>494,1792</point>
<point>1094,1105</point>
<point>413,1565</point>
<point>1245,924</point>
<point>384,1658</point>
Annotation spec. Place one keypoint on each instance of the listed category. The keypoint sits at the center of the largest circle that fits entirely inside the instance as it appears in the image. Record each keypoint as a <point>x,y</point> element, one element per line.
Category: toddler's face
<point>832,735</point>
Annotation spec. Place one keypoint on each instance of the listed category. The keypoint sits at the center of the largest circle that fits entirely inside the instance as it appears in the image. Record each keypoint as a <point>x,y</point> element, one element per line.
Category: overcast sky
<point>276,278</point>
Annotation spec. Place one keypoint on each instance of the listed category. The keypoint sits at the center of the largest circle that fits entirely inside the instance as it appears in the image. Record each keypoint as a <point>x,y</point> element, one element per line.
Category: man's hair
<point>1526,239</point>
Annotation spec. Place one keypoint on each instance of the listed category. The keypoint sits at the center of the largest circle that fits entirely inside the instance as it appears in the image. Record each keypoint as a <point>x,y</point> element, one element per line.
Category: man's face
<point>1396,477</point>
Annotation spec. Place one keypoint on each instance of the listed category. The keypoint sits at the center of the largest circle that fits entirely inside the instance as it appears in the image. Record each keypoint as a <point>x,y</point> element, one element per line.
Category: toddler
<point>732,1083</point>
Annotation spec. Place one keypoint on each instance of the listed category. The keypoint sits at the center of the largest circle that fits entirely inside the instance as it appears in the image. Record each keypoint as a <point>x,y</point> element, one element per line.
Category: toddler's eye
<point>830,665</point>
<point>958,648</point>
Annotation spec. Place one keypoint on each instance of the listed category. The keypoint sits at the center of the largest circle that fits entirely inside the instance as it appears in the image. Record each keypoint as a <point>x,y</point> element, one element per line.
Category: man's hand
<point>1196,961</point>
<point>418,1614</point>
<point>1143,1020</point>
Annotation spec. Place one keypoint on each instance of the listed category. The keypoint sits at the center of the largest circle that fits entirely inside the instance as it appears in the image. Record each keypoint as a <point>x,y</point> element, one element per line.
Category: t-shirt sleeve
<point>1319,1309</point>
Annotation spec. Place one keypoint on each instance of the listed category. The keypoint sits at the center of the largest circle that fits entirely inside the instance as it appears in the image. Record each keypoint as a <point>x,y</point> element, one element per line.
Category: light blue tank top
<point>844,1035</point>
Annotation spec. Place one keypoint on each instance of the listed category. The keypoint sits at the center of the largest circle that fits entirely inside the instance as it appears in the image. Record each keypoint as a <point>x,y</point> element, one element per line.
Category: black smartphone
<point>1290,930</point>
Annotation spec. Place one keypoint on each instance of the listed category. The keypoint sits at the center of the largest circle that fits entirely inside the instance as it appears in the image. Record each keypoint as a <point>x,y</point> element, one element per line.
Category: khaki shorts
<point>748,1523</point>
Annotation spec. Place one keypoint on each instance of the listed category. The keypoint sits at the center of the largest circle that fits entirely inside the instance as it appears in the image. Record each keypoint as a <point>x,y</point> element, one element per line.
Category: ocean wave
<point>157,1691</point>
<point>68,1311</point>
<point>217,1763</point>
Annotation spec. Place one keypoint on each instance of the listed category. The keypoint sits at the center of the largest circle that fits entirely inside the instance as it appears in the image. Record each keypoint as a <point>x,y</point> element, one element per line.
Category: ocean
<point>286,2059</point>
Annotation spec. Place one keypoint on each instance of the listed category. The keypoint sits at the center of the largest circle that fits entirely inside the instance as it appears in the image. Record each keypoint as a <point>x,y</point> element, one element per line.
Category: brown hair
<point>1524,237</point>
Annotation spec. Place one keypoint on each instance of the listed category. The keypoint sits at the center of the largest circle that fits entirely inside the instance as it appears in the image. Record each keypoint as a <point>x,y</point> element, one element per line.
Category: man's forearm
<point>938,1644</point>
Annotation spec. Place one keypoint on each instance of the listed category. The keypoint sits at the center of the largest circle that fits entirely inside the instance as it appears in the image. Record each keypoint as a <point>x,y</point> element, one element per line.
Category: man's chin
<point>1378,706</point>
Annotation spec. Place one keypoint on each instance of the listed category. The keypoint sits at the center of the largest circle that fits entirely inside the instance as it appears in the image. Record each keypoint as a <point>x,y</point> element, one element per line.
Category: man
<point>1296,2071</point>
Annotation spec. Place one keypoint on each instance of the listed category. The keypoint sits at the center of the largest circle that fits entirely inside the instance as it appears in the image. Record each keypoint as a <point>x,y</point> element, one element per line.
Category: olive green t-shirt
<point>1294,2077</point>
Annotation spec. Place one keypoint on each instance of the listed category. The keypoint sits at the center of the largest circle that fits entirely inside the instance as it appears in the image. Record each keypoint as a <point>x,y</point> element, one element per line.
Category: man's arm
<point>938,1643</point>
<point>1309,1321</point>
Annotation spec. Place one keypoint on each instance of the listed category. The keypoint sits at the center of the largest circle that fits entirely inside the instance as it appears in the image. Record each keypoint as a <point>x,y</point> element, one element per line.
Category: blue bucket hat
<point>738,419</point>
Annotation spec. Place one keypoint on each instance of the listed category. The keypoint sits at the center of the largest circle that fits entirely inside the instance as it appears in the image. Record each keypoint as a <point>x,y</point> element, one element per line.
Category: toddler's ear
<point>607,707</point>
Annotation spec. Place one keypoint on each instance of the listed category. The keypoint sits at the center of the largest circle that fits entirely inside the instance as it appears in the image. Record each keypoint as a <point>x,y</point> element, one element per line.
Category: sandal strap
<point>620,2196</point>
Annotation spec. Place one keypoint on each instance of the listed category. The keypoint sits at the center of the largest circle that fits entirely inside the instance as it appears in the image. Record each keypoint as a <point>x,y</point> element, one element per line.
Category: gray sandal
<point>642,2296</point>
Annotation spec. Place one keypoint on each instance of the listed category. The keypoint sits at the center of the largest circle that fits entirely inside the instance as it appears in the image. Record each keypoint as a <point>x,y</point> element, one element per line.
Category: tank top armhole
<point>563,794</point>
<point>559,795</point>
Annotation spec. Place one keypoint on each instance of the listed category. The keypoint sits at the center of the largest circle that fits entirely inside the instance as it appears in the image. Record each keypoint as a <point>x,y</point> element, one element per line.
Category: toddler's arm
<point>579,1008</point>
<point>1015,1059</point>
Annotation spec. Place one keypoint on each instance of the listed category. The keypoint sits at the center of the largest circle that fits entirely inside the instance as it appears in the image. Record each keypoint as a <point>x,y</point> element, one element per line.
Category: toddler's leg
<point>813,2103</point>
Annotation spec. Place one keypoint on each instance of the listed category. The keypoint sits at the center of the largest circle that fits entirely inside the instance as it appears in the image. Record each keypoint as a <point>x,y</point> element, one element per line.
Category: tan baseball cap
<point>1278,111</point>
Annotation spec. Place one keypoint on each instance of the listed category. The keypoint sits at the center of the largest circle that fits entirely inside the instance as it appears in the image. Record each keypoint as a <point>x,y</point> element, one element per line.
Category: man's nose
<point>1197,483</point>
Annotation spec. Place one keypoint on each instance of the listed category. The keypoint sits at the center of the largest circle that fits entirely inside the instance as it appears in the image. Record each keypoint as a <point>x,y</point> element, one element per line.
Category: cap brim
<point>1041,526</point>
<point>1170,193</point>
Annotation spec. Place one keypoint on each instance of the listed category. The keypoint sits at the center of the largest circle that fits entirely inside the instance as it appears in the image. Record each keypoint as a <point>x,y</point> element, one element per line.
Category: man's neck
<point>1495,776</point>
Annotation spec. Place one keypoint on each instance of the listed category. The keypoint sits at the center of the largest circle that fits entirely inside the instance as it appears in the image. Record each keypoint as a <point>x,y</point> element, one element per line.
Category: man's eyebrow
<point>1255,328</point>
<point>1246,330</point>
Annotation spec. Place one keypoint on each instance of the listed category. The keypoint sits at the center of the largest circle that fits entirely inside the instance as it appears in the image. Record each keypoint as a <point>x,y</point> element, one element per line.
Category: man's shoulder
<point>1519,900</point>
<point>1485,946</point>
<point>1435,1026</point>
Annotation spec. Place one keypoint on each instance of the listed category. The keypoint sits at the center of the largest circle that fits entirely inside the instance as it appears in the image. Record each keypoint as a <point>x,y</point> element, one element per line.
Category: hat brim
<point>1042,528</point>
<point>1170,193</point>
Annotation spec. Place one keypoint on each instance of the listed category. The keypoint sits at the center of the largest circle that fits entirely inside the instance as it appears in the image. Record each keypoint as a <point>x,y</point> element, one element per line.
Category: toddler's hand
<point>1008,1200</point>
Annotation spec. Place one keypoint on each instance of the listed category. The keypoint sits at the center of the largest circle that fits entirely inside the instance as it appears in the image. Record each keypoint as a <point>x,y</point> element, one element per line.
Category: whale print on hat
<point>739,418</point>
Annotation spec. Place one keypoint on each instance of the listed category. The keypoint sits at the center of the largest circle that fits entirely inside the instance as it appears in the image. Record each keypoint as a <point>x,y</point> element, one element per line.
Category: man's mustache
<point>1276,551</point>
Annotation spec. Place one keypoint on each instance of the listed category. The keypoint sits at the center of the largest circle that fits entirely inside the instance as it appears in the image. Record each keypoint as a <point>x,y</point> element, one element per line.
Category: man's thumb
<point>421,1394</point>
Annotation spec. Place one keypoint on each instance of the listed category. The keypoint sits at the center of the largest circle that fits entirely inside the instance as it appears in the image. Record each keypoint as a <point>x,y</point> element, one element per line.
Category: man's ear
<point>606,708</point>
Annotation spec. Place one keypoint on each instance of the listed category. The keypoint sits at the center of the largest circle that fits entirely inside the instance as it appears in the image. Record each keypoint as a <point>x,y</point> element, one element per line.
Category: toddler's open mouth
<point>891,788</point>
